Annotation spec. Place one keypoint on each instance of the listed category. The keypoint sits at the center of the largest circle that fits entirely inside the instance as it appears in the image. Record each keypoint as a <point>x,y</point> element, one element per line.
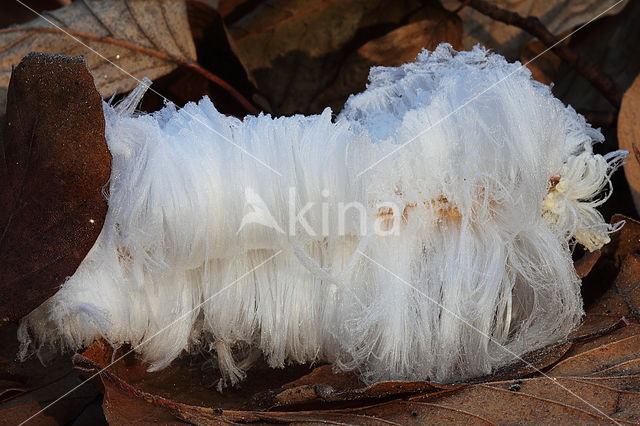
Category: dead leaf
<point>611,42</point>
<point>592,377</point>
<point>604,384</point>
<point>584,265</point>
<point>547,400</point>
<point>323,395</point>
<point>27,387</point>
<point>529,363</point>
<point>545,67</point>
<point>557,15</point>
<point>629,138</point>
<point>55,163</point>
<point>232,7</point>
<point>432,27</point>
<point>609,389</point>
<point>617,274</point>
<point>296,51</point>
<point>344,391</point>
<point>600,358</point>
<point>143,38</point>
<point>217,56</point>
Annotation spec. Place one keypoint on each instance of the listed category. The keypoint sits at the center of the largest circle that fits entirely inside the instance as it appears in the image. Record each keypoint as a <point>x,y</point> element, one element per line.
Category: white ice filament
<point>491,197</point>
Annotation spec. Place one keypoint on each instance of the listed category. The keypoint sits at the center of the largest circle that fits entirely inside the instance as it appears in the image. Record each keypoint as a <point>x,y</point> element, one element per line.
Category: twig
<point>583,65</point>
<point>463,4</point>
<point>151,52</point>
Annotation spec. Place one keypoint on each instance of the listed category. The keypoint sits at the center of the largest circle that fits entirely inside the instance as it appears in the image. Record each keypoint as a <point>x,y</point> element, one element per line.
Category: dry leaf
<point>612,43</point>
<point>55,163</point>
<point>545,67</point>
<point>629,138</point>
<point>26,387</point>
<point>584,265</point>
<point>592,377</point>
<point>144,38</point>
<point>619,269</point>
<point>228,7</point>
<point>296,51</point>
<point>395,48</point>
<point>600,376</point>
<point>557,15</point>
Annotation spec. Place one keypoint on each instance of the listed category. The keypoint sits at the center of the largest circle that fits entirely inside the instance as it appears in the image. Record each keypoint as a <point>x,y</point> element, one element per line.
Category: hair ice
<point>495,179</point>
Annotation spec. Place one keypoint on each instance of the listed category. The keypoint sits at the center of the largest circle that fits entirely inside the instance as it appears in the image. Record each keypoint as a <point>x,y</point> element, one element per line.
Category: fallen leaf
<point>229,7</point>
<point>584,265</point>
<point>611,42</point>
<point>322,385</point>
<point>432,27</point>
<point>216,54</point>
<point>591,396</point>
<point>296,51</point>
<point>614,283</point>
<point>54,166</point>
<point>591,377</point>
<point>546,67</point>
<point>323,395</point>
<point>601,358</point>
<point>629,138</point>
<point>123,40</point>
<point>546,399</point>
<point>529,363</point>
<point>557,15</point>
<point>27,387</point>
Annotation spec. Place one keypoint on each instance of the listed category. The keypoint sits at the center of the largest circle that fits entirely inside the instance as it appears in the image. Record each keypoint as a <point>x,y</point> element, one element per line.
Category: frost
<point>478,272</point>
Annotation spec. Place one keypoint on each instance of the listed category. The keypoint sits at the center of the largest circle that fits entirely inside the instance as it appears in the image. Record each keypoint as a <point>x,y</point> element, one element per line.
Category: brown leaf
<point>611,42</point>
<point>600,358</point>
<point>54,167</point>
<point>395,48</point>
<point>608,390</point>
<point>619,270</point>
<point>584,265</point>
<point>27,387</point>
<point>545,67</point>
<point>323,395</point>
<point>547,400</point>
<point>629,138</point>
<point>229,7</point>
<point>217,65</point>
<point>322,385</point>
<point>557,15</point>
<point>592,377</point>
<point>143,38</point>
<point>529,363</point>
<point>297,51</point>
<point>604,385</point>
